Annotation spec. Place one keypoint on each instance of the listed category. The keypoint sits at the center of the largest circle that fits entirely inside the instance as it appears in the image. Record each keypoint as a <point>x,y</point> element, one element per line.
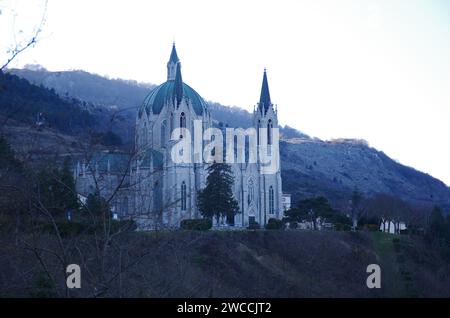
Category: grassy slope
<point>387,258</point>
<point>246,264</point>
<point>409,268</point>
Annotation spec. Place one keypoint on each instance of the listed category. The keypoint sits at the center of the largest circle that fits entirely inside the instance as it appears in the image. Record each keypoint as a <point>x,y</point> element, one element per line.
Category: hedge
<point>196,224</point>
<point>274,224</point>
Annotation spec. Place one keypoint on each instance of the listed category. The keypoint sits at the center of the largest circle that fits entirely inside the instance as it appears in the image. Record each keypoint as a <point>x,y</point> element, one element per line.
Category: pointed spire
<point>178,86</point>
<point>264,100</point>
<point>173,55</point>
<point>172,64</point>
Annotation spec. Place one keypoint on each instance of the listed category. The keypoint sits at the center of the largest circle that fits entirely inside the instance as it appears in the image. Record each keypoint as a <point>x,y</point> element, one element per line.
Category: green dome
<point>165,93</point>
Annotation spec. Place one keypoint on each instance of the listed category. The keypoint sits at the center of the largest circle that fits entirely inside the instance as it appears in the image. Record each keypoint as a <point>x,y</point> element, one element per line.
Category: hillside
<point>20,100</point>
<point>88,87</point>
<point>43,108</point>
<point>124,96</point>
<point>335,168</point>
<point>309,166</point>
<point>236,264</point>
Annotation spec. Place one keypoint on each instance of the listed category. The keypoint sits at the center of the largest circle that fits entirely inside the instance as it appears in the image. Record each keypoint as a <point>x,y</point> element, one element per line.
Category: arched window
<point>163,133</point>
<point>271,201</point>
<point>269,132</point>
<point>257,131</point>
<point>183,196</point>
<point>213,151</point>
<point>182,120</point>
<point>251,192</point>
<point>182,123</point>
<point>144,135</point>
<point>172,124</point>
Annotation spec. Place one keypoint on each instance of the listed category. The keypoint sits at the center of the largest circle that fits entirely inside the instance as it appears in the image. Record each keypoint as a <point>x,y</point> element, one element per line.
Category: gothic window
<point>172,124</point>
<point>251,192</point>
<point>183,196</point>
<point>213,151</point>
<point>144,135</point>
<point>269,132</point>
<point>182,123</point>
<point>271,201</point>
<point>163,133</point>
<point>182,120</point>
<point>257,131</point>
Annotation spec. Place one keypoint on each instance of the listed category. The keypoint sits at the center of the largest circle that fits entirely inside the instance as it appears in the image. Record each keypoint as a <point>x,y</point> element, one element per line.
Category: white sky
<point>377,70</point>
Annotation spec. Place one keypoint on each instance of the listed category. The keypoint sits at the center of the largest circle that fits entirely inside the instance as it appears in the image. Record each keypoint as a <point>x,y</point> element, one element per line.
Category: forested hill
<point>43,107</point>
<point>22,101</point>
<point>88,87</point>
<point>127,96</point>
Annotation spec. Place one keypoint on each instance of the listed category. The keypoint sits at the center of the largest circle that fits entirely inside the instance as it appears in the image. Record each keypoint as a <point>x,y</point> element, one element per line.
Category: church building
<point>158,192</point>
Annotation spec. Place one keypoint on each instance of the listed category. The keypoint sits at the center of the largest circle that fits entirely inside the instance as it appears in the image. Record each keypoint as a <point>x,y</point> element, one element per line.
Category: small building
<point>286,201</point>
<point>392,227</point>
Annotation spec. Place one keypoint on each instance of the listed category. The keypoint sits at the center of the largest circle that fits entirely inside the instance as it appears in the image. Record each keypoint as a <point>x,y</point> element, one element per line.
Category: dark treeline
<point>23,101</point>
<point>42,107</point>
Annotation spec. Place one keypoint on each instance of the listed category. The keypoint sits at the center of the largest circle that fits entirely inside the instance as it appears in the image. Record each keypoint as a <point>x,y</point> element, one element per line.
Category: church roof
<point>109,161</point>
<point>264,100</point>
<point>165,92</point>
<point>172,91</point>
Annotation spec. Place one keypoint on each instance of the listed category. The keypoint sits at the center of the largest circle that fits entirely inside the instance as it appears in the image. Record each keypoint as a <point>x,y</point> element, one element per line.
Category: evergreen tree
<point>311,208</point>
<point>56,189</point>
<point>96,205</point>
<point>7,156</point>
<point>13,179</point>
<point>216,199</point>
<point>438,232</point>
<point>67,187</point>
<point>437,226</point>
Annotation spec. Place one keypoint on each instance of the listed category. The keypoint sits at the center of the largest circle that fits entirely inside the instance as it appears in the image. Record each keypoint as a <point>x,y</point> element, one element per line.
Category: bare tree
<point>20,41</point>
<point>99,248</point>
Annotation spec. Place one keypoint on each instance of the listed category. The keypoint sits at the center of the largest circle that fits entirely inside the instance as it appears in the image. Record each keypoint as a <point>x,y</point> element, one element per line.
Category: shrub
<point>274,224</point>
<point>196,224</point>
<point>371,227</point>
<point>342,227</point>
<point>293,225</point>
<point>123,225</point>
<point>253,226</point>
<point>65,228</point>
<point>70,228</point>
<point>43,287</point>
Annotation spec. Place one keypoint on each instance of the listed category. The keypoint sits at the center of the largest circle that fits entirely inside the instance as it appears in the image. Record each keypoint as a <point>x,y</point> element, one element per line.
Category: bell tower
<point>270,188</point>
